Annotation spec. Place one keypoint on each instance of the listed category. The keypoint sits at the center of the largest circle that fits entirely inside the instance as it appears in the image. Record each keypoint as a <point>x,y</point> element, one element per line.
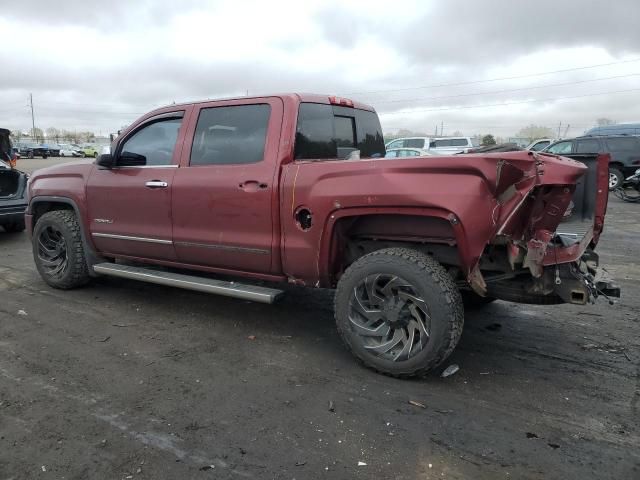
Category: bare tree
<point>53,134</point>
<point>534,132</point>
<point>16,134</point>
<point>67,136</point>
<point>37,134</point>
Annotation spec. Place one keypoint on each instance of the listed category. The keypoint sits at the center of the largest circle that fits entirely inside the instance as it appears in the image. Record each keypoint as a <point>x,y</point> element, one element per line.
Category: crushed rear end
<point>553,215</point>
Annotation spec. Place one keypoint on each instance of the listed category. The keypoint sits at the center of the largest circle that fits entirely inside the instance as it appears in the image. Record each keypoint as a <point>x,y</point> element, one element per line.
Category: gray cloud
<point>114,15</point>
<point>478,32</point>
<point>440,43</point>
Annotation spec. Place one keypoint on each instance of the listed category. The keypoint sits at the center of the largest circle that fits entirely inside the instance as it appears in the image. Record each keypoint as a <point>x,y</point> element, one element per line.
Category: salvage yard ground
<point>129,380</point>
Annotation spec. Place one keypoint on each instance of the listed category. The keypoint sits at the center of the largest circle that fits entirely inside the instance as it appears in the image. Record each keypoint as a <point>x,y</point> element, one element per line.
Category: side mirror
<point>105,161</point>
<point>130,159</point>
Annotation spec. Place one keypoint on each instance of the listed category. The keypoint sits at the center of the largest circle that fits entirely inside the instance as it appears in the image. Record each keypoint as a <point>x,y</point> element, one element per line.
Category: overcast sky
<point>98,65</point>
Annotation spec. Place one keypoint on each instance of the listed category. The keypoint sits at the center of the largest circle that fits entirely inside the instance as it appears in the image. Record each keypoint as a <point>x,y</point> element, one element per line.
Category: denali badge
<point>102,220</point>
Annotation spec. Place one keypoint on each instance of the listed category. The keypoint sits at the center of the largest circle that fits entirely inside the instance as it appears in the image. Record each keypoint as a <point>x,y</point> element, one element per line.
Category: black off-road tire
<point>14,227</point>
<point>76,274</point>
<point>436,288</point>
<point>473,301</point>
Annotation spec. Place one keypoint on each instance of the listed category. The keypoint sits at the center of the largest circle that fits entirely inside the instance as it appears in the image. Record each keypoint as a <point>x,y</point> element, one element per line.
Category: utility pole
<point>33,121</point>
<point>559,127</point>
<point>441,128</point>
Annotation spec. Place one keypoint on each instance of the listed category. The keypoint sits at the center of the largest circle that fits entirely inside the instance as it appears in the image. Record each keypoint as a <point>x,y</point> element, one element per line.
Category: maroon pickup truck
<point>295,188</point>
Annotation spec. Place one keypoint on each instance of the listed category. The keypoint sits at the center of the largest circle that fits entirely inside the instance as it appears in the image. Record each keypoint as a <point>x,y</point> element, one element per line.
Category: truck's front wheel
<point>399,312</point>
<point>58,251</point>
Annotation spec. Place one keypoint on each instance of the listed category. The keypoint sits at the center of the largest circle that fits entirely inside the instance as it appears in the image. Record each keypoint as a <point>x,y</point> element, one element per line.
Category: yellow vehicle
<point>89,151</point>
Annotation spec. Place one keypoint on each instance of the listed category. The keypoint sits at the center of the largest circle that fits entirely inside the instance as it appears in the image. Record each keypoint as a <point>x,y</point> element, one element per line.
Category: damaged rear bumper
<point>582,281</point>
<point>578,282</point>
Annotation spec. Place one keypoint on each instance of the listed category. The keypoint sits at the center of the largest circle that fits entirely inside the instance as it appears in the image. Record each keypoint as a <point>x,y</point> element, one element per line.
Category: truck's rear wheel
<point>399,312</point>
<point>58,251</point>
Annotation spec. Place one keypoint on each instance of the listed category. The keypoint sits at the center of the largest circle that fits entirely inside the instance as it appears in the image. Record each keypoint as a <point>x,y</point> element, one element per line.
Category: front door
<point>225,191</point>
<point>129,207</point>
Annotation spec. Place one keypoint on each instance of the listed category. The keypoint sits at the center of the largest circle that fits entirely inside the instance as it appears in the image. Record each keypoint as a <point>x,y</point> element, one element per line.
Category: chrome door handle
<point>156,184</point>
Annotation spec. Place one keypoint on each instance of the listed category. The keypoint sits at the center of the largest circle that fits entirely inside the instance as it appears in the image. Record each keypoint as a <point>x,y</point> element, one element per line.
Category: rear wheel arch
<point>351,235</point>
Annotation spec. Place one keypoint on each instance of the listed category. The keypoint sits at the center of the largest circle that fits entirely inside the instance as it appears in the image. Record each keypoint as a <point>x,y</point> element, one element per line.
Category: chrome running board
<point>189,282</point>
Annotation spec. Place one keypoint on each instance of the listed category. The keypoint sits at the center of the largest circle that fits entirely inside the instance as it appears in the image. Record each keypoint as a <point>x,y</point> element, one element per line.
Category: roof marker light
<point>344,102</point>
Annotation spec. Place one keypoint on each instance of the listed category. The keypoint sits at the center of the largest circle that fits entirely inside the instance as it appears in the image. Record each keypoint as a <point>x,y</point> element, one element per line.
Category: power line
<point>508,90</point>
<point>496,79</point>
<point>510,103</point>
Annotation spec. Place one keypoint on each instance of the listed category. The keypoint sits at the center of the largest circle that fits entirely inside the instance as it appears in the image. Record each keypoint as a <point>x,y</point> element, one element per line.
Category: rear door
<point>626,151</point>
<point>129,207</point>
<point>225,193</point>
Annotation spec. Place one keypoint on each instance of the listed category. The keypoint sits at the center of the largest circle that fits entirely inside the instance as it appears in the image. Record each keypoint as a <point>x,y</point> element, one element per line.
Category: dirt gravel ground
<point>127,380</point>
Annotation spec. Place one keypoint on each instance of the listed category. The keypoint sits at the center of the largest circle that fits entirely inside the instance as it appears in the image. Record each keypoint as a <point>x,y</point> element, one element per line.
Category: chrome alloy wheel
<point>613,181</point>
<point>52,252</point>
<point>389,317</point>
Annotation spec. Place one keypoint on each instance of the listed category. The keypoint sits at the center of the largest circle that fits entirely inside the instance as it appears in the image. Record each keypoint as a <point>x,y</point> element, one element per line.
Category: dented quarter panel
<point>467,190</point>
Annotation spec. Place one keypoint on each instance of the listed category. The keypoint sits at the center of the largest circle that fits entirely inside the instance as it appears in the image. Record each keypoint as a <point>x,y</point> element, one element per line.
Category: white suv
<point>450,145</point>
<point>409,142</point>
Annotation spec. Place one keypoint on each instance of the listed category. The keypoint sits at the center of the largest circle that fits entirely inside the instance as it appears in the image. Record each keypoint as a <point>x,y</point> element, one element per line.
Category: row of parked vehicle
<point>32,150</point>
<point>421,146</point>
<point>624,149</point>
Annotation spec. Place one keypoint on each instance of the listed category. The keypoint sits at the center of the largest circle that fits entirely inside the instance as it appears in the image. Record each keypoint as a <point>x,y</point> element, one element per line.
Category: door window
<point>588,146</point>
<point>622,144</point>
<point>540,145</point>
<point>414,143</point>
<point>407,153</point>
<point>230,135</point>
<point>153,144</point>
<point>560,148</point>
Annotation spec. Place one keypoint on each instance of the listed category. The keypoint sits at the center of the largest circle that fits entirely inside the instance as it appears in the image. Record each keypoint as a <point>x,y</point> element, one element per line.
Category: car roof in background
<point>617,135</point>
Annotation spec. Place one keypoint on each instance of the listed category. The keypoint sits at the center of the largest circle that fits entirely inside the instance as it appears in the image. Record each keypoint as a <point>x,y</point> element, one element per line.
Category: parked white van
<point>450,145</point>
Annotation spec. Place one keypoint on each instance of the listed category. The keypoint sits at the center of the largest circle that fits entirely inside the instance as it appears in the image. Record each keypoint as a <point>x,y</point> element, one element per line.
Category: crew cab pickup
<point>295,188</point>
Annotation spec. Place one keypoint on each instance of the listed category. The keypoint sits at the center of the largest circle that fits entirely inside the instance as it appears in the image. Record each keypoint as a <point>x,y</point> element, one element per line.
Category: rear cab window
<point>331,132</point>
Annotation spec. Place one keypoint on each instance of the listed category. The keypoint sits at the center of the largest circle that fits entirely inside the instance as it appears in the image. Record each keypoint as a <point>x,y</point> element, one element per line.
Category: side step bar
<point>189,282</point>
